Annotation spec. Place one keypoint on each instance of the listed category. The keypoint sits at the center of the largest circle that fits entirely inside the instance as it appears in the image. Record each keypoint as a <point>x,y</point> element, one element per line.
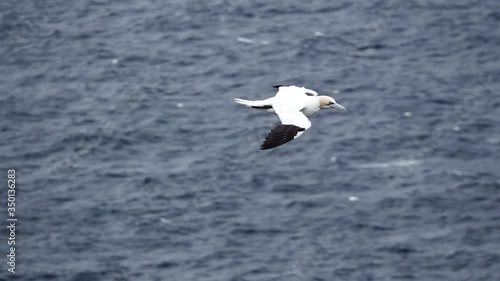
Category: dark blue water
<point>134,163</point>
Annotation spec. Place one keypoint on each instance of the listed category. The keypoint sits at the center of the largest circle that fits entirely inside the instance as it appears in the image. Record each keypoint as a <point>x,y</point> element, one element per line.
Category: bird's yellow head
<point>329,102</point>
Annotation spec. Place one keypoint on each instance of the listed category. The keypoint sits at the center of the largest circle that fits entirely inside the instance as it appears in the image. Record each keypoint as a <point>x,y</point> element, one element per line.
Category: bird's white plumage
<point>293,105</point>
<point>288,104</point>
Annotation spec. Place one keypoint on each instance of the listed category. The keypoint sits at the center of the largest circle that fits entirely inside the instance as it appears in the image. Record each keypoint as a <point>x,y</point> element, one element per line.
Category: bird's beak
<point>338,106</point>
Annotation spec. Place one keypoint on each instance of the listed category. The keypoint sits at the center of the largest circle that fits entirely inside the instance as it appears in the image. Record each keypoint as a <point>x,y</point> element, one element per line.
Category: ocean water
<point>134,163</point>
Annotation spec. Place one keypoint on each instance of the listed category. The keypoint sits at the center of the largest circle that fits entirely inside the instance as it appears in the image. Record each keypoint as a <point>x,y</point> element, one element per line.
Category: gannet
<point>293,105</point>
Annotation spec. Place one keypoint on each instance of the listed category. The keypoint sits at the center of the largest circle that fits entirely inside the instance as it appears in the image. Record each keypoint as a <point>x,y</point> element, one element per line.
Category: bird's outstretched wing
<point>281,134</point>
<point>287,88</point>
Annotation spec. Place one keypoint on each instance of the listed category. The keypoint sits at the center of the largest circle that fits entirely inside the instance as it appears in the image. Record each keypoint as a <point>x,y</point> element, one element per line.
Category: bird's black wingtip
<point>278,86</point>
<point>281,134</point>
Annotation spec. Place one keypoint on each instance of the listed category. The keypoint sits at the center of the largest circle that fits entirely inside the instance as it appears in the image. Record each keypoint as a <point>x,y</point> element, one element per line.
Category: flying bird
<point>293,105</point>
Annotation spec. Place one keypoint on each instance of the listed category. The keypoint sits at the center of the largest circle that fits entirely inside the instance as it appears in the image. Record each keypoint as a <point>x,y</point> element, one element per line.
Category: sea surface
<point>133,162</point>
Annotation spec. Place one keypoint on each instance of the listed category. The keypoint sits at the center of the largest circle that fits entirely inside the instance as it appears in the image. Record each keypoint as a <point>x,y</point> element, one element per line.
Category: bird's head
<point>329,102</point>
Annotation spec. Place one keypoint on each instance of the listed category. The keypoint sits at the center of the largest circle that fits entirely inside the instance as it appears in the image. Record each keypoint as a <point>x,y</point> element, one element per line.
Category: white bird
<point>293,105</point>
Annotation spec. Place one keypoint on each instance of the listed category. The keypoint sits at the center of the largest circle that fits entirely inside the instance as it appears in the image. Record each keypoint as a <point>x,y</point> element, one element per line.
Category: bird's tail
<point>244,102</point>
<point>255,103</point>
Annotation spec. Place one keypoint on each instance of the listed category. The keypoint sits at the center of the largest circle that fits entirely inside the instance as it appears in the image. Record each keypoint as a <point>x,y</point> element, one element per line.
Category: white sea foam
<point>395,163</point>
<point>319,34</point>
<point>245,40</point>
